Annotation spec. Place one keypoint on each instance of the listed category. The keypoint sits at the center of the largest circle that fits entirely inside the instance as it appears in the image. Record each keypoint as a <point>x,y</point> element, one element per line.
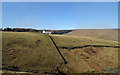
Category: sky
<point>60,15</point>
<point>60,0</point>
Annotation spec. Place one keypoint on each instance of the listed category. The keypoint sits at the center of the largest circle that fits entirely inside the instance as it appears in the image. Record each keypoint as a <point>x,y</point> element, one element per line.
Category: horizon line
<point>56,29</point>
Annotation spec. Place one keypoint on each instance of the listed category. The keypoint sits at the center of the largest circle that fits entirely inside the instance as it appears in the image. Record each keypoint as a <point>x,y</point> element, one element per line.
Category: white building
<point>46,31</point>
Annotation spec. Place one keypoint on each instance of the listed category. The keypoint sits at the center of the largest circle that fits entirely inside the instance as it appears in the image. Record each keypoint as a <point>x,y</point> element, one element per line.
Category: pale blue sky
<point>60,15</point>
<point>60,0</point>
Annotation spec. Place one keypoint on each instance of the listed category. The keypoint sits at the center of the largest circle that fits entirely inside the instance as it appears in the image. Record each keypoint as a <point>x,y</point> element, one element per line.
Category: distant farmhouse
<point>46,31</point>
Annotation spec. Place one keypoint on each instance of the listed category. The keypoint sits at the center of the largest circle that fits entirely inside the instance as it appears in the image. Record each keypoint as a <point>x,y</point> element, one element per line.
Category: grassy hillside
<point>87,60</point>
<point>72,41</point>
<point>24,51</point>
<point>107,34</point>
<point>84,60</point>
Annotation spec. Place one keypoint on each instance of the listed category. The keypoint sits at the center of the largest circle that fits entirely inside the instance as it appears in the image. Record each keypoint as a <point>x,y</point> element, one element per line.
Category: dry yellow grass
<point>34,52</point>
<point>24,51</point>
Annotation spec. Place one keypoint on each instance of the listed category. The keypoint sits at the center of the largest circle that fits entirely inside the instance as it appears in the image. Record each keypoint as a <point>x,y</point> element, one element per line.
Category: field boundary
<point>52,41</point>
<point>88,46</point>
<point>7,72</point>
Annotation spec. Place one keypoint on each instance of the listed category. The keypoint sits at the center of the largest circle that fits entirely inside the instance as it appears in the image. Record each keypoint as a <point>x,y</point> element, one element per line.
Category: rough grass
<point>34,52</point>
<point>97,60</point>
<point>89,59</point>
<point>73,41</point>
<point>107,34</point>
<point>28,52</point>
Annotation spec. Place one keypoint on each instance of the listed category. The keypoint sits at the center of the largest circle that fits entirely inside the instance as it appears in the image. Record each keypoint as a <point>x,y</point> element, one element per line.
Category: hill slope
<point>108,34</point>
<point>73,41</point>
<point>24,51</point>
<point>87,59</point>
